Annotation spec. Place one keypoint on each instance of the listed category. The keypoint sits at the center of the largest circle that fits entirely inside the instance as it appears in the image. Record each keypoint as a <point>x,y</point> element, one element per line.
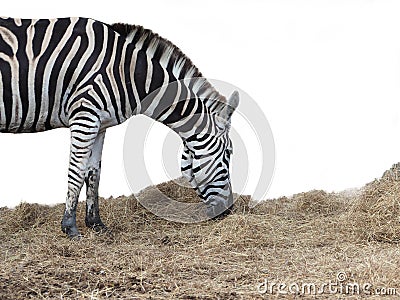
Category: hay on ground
<point>375,215</point>
<point>309,237</point>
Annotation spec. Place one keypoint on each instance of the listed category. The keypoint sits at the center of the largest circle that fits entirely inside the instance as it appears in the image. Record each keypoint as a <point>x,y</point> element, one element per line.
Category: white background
<point>325,73</point>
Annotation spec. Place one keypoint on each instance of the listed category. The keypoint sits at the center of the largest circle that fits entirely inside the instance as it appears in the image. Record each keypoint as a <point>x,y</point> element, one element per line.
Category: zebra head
<point>206,159</point>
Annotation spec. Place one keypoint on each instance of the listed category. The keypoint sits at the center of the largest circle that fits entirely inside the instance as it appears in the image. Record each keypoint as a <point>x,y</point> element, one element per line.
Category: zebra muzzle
<point>219,207</point>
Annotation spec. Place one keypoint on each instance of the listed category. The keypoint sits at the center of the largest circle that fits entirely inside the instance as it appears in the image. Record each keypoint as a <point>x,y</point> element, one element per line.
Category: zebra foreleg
<point>92,178</point>
<point>84,129</point>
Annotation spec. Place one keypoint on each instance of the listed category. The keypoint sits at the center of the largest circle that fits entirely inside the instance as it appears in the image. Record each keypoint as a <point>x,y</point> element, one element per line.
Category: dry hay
<point>174,201</point>
<point>318,203</point>
<point>25,216</point>
<point>376,213</point>
<point>308,237</point>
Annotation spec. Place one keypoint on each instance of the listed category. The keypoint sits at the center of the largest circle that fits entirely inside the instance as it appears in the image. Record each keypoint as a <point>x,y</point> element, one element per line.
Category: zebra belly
<point>22,114</point>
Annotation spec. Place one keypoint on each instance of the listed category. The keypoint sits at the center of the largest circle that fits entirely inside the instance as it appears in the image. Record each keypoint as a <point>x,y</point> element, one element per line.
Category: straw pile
<point>376,213</point>
<point>307,238</point>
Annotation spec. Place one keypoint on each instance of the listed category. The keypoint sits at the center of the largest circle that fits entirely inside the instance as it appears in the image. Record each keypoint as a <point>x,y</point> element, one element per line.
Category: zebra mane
<point>169,54</point>
<point>157,44</point>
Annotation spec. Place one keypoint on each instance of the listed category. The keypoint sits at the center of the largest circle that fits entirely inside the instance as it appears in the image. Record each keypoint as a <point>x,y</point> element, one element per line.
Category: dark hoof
<point>68,226</point>
<point>98,226</point>
<point>218,210</point>
<point>72,232</point>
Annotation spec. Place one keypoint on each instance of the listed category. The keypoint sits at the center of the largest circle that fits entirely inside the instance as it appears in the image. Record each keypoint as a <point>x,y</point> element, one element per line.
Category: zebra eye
<point>229,151</point>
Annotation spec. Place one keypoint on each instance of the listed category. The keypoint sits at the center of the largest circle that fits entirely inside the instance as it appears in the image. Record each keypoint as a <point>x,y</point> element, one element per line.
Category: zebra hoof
<point>97,226</point>
<point>72,232</point>
<point>68,226</point>
<point>218,209</point>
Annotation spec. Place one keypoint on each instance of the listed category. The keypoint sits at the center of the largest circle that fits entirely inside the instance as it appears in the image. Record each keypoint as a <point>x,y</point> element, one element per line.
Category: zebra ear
<point>230,106</point>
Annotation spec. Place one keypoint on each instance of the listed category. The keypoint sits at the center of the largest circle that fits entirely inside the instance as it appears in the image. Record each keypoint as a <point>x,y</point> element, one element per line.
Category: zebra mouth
<point>219,207</point>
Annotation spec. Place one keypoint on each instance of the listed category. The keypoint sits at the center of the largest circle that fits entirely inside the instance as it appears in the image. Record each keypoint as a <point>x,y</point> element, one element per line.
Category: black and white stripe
<point>88,76</point>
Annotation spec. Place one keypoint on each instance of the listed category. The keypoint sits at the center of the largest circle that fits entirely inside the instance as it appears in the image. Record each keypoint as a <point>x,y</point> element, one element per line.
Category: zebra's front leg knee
<point>92,219</point>
<point>68,223</point>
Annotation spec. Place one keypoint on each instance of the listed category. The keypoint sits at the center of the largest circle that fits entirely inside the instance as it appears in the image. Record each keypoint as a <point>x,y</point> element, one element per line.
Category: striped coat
<point>86,75</point>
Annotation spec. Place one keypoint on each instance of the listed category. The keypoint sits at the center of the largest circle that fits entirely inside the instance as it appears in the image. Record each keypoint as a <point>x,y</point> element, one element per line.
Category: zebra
<point>85,75</point>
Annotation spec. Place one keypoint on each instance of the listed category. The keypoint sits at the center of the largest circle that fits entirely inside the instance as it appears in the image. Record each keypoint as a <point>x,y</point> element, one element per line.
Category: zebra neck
<point>167,86</point>
<point>187,106</point>
<point>163,84</point>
